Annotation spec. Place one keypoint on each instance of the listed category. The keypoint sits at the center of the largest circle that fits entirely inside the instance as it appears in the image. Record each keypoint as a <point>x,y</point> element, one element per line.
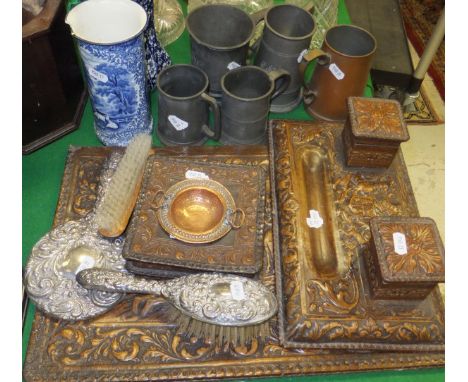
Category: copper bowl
<point>197,211</point>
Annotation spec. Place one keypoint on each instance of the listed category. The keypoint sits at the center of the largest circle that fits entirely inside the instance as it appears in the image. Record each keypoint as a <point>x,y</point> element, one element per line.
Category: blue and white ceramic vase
<point>109,34</point>
<point>156,57</point>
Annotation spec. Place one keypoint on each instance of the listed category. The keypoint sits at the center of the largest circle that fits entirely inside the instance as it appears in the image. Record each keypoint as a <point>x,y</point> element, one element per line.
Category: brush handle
<point>116,281</point>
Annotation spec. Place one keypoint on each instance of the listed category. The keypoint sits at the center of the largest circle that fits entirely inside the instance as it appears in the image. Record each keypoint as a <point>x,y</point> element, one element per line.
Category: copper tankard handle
<point>158,200</point>
<point>236,218</point>
<point>322,59</point>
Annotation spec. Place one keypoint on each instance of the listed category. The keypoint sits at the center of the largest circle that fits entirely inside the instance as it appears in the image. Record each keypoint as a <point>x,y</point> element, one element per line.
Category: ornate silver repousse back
<point>221,299</point>
<point>59,255</point>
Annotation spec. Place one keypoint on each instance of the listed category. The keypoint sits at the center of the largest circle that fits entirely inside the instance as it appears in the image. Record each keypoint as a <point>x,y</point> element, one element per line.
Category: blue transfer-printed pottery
<point>109,35</point>
<point>155,55</point>
<point>118,91</point>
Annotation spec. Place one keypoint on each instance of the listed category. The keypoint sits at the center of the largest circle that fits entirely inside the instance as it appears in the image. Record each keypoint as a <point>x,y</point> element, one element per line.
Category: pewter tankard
<point>287,35</point>
<point>219,35</point>
<point>183,107</point>
<point>247,92</point>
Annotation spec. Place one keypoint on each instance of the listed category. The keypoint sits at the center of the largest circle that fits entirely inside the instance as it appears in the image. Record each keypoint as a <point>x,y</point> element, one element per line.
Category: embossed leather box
<point>373,132</point>
<point>406,258</point>
<point>149,250</point>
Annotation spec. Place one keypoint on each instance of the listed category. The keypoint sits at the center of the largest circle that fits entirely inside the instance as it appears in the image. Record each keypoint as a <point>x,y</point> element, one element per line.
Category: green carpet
<point>42,175</point>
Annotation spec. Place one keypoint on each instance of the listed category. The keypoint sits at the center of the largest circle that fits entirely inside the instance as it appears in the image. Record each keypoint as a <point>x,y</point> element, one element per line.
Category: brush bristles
<point>119,200</point>
<point>217,334</point>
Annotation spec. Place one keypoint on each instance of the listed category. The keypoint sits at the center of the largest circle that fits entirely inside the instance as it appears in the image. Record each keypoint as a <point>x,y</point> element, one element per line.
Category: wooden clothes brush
<point>114,212</point>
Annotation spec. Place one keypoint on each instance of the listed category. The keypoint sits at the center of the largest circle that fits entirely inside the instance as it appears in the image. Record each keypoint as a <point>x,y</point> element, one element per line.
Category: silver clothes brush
<point>114,212</point>
<point>222,307</point>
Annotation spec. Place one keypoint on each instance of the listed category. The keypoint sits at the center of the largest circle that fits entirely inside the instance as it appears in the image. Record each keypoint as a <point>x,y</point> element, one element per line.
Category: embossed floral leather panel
<point>377,118</point>
<point>240,251</point>
<point>324,288</point>
<point>133,341</point>
<point>423,256</point>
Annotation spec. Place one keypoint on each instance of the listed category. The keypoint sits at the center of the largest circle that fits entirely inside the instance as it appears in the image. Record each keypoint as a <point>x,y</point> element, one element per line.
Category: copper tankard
<point>342,69</point>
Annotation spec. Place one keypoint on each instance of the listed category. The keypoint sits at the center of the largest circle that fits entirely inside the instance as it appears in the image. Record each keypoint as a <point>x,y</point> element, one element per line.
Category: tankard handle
<point>259,15</point>
<point>283,78</point>
<point>255,44</point>
<point>322,59</point>
<point>216,132</point>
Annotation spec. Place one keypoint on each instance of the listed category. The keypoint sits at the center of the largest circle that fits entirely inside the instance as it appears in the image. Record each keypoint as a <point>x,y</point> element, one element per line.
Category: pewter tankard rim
<point>270,27</point>
<point>214,47</point>
<point>244,69</point>
<point>356,28</point>
<point>175,67</point>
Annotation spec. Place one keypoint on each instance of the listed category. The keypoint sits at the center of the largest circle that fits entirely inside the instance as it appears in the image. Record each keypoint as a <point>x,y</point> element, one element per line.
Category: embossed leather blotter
<point>406,258</point>
<point>135,342</point>
<point>239,251</point>
<point>320,241</point>
<point>373,132</point>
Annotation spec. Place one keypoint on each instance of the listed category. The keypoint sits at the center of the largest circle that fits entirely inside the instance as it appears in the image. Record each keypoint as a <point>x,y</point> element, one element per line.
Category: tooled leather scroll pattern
<point>85,176</point>
<point>87,183</point>
<point>287,209</point>
<point>363,158</point>
<point>74,345</point>
<point>422,256</point>
<point>378,118</point>
<point>148,336</point>
<point>364,196</point>
<point>358,197</point>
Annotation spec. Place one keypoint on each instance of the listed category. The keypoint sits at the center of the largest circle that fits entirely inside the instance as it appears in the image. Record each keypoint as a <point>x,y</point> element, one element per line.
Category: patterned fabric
<point>156,57</point>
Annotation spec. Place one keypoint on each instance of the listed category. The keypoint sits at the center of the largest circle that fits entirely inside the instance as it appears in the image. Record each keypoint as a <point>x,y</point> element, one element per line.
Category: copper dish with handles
<point>197,211</point>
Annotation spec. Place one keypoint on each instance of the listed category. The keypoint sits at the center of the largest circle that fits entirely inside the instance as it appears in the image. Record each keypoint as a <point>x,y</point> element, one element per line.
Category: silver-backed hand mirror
<point>56,259</point>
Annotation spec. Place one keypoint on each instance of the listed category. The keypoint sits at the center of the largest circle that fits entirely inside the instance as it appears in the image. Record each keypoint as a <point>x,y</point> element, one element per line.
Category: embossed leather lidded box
<point>406,257</point>
<point>150,250</point>
<point>373,132</point>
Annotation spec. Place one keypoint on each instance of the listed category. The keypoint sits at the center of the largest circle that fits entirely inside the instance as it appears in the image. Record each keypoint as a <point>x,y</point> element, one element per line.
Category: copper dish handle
<point>158,200</point>
<point>232,218</point>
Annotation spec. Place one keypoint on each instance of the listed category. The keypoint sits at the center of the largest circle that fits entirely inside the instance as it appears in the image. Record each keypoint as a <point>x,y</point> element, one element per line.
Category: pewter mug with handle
<point>245,103</point>
<point>287,35</point>
<point>219,38</point>
<point>183,107</point>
